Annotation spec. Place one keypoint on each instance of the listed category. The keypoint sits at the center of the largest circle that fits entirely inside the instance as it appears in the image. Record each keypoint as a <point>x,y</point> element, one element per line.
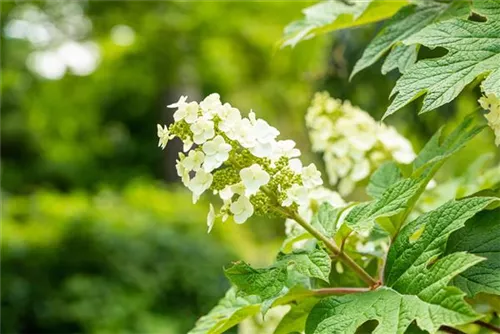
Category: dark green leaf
<point>263,282</point>
<point>480,236</point>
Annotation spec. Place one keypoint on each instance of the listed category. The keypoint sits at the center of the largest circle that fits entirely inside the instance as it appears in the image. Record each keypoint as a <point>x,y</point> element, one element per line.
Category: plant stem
<point>491,327</point>
<point>373,283</point>
<point>334,249</point>
<point>338,291</point>
<point>451,330</point>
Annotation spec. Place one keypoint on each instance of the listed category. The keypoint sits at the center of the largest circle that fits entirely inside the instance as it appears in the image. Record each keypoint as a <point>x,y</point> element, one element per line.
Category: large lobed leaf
<point>408,264</point>
<point>416,280</point>
<point>480,236</point>
<point>263,282</point>
<point>336,14</point>
<point>393,311</point>
<point>473,51</point>
<point>408,21</point>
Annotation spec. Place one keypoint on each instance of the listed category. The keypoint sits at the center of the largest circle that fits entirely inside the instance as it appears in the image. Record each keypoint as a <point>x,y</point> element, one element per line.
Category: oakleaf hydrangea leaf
<point>408,21</point>
<point>393,311</point>
<point>315,263</point>
<point>416,280</point>
<point>263,282</point>
<point>385,176</point>
<point>336,14</point>
<point>480,236</point>
<point>231,310</point>
<point>401,57</point>
<point>407,267</point>
<point>396,199</point>
<point>234,308</point>
<point>473,51</point>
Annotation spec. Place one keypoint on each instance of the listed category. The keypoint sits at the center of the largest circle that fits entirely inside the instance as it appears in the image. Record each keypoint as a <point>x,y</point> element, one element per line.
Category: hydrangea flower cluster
<point>492,103</point>
<point>239,159</point>
<point>353,144</point>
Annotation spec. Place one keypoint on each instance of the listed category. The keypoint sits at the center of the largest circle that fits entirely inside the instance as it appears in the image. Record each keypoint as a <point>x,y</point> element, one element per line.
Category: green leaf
<point>391,208</point>
<point>407,266</point>
<point>325,220</point>
<point>263,282</point>
<point>295,319</point>
<point>316,263</point>
<point>334,15</point>
<point>234,308</point>
<point>393,311</point>
<point>438,149</point>
<point>401,57</point>
<point>408,21</point>
<point>385,176</point>
<point>480,236</point>
<point>473,51</point>
<point>231,310</point>
<point>395,200</point>
<point>416,280</point>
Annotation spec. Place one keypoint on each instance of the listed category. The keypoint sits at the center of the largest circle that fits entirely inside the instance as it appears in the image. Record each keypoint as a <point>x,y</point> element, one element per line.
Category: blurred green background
<point>97,234</point>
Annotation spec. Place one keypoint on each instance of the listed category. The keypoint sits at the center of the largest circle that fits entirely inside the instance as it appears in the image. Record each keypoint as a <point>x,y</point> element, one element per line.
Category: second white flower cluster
<point>239,159</point>
<point>353,144</point>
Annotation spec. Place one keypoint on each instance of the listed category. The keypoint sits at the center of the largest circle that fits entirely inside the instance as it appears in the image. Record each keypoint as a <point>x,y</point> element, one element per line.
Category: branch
<point>451,330</point>
<point>491,327</point>
<point>335,250</point>
<point>338,291</point>
<point>373,283</point>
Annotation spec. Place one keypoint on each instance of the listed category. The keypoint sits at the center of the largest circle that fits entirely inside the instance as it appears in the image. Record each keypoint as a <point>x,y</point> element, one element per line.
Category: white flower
<point>211,104</point>
<point>178,104</point>
<point>296,194</point>
<point>229,116</point>
<point>203,130</point>
<point>322,194</point>
<point>217,151</point>
<point>264,132</point>
<point>243,133</point>
<point>262,150</point>
<point>346,186</point>
<point>191,110</point>
<point>242,209</point>
<point>181,169</point>
<point>199,183</point>
<point>263,141</point>
<point>253,178</point>
<point>188,112</point>
<point>286,148</point>
<point>341,147</point>
<point>163,135</point>
<point>295,165</point>
<point>187,144</point>
<point>210,218</point>
<point>360,170</point>
<point>194,160</point>
<point>226,193</point>
<point>311,176</point>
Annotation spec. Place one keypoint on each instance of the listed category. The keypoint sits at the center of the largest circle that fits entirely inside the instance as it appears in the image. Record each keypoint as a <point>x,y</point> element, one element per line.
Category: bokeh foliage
<point>130,258</point>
